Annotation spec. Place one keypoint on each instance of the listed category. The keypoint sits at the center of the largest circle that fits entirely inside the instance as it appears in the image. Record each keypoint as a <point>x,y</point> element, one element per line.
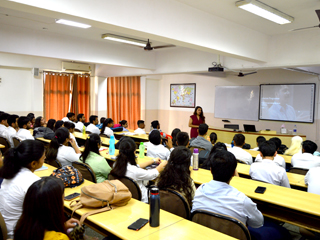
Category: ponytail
<point>91,145</point>
<point>59,138</point>
<point>105,124</point>
<point>21,156</point>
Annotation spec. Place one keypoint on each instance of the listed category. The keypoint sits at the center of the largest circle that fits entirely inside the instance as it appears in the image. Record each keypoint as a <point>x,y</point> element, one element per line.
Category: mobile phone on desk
<point>137,225</point>
<point>71,196</point>
<point>260,190</point>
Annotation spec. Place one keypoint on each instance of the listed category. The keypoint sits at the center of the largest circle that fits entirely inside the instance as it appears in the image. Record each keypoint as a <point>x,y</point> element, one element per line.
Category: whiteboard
<point>237,102</point>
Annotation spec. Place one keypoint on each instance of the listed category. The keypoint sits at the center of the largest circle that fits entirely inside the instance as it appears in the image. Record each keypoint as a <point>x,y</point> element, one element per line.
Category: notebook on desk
<point>249,128</point>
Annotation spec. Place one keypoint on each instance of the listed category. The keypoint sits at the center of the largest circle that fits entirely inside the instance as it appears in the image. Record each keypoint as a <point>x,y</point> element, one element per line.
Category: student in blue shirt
<point>124,124</point>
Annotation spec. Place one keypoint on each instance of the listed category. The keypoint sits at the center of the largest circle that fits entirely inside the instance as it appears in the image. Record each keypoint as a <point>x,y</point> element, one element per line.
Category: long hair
<point>174,136</point>
<point>105,124</point>
<point>37,123</point>
<point>91,145</point>
<point>126,155</point>
<point>219,146</point>
<point>51,123</point>
<point>60,137</point>
<point>42,210</point>
<point>201,114</point>
<point>21,156</point>
<point>295,147</point>
<point>58,125</point>
<point>176,174</point>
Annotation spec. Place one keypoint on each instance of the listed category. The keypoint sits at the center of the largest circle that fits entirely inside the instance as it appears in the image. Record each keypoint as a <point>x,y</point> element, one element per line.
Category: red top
<point>195,121</point>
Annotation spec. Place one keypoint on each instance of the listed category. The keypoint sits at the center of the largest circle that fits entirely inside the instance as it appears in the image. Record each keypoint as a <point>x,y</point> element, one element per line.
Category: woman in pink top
<point>195,120</point>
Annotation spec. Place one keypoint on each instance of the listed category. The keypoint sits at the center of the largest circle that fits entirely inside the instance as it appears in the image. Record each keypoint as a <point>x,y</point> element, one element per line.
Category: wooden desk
<point>105,141</point>
<point>137,138</point>
<point>226,136</point>
<point>117,220</point>
<point>2,146</point>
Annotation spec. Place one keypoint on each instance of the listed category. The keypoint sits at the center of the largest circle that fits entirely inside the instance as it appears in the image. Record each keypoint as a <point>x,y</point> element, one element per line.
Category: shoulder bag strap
<point>84,216</point>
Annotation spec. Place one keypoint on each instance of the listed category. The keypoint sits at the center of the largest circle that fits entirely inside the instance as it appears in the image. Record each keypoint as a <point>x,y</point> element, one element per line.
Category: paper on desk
<point>103,148</point>
<point>42,168</point>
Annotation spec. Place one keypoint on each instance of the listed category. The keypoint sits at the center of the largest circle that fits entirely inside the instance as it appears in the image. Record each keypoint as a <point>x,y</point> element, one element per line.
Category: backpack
<point>70,176</point>
<point>105,196</point>
<point>203,155</point>
<point>41,132</point>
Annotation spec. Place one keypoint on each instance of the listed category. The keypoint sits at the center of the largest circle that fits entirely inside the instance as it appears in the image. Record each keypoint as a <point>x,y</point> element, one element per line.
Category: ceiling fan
<point>241,74</point>
<point>149,48</point>
<point>318,26</point>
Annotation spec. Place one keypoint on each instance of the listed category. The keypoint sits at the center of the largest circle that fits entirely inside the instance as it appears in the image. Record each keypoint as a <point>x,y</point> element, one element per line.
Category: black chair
<point>16,141</point>
<point>6,144</point>
<point>55,163</point>
<point>174,202</point>
<point>86,171</point>
<point>301,171</point>
<point>221,223</point>
<point>131,184</point>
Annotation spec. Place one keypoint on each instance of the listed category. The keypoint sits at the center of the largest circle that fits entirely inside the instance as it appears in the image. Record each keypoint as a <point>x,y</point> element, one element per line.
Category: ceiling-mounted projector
<point>216,67</point>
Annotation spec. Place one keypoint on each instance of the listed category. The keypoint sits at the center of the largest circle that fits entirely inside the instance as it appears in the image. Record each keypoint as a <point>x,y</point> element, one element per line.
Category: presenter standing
<point>195,120</point>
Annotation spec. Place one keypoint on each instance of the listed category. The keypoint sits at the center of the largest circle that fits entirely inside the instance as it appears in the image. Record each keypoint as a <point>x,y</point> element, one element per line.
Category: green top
<point>99,165</point>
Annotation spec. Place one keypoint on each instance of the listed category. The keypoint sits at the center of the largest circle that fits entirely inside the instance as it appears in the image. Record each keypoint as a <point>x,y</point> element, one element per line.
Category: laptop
<point>249,128</point>
<point>232,126</point>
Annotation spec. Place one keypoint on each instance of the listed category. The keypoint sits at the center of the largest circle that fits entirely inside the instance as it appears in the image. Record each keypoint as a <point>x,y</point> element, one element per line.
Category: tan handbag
<point>105,196</point>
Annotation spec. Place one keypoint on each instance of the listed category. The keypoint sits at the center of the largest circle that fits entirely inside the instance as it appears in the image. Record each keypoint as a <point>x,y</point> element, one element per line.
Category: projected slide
<point>290,103</point>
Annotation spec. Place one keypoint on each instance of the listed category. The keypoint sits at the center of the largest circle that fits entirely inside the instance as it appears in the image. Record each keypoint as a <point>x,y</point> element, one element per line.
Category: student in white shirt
<point>3,124</point>
<point>59,149</point>
<point>238,152</point>
<point>267,170</point>
<point>124,125</point>
<point>106,127</point>
<point>312,179</point>
<point>306,159</point>
<point>12,129</point>
<point>70,126</point>
<point>126,165</point>
<point>81,120</point>
<point>156,149</point>
<point>23,133</point>
<point>92,126</point>
<point>71,117</point>
<point>260,139</point>
<point>141,126</point>
<point>17,172</point>
<point>277,159</point>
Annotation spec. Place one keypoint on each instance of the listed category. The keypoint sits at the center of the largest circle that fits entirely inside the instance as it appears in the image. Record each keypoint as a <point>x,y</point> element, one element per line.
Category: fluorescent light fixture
<point>122,39</point>
<point>72,23</point>
<point>265,11</point>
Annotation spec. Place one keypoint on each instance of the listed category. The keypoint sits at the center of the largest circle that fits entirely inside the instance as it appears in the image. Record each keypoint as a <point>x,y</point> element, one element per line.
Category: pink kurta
<point>195,121</point>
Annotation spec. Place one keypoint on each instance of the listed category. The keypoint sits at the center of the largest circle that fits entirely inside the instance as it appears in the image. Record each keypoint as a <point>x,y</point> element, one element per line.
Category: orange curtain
<point>124,99</point>
<point>56,94</point>
<point>81,95</point>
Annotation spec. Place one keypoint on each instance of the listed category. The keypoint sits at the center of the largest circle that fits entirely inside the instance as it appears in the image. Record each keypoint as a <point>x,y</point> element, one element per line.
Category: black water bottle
<point>154,202</point>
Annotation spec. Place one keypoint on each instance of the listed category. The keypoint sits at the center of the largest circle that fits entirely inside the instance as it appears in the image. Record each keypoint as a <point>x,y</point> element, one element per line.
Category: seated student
<point>81,119</point>
<point>213,138</point>
<point>260,139</point>
<point>176,174</point>
<point>39,122</point>
<point>51,124</point>
<point>17,171</point>
<point>182,139</point>
<point>58,125</point>
<point>267,170</point>
<point>23,134</point>
<point>32,120</point>
<point>238,152</point>
<point>3,124</point>
<point>312,179</point>
<point>295,147</point>
<point>218,196</point>
<point>92,126</point>
<point>71,117</point>
<point>101,122</point>
<point>174,136</point>
<point>70,126</point>
<point>141,126</point>
<point>124,124</point>
<point>42,215</point>
<point>106,128</point>
<point>277,159</point>
<point>306,159</point>
<point>155,125</point>
<point>59,149</point>
<point>201,141</point>
<point>11,130</point>
<point>126,165</point>
<point>156,149</point>
<point>92,157</point>
<point>217,147</point>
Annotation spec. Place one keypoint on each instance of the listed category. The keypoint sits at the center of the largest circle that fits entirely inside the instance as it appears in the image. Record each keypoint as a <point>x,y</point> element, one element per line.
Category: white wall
<point>171,118</point>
